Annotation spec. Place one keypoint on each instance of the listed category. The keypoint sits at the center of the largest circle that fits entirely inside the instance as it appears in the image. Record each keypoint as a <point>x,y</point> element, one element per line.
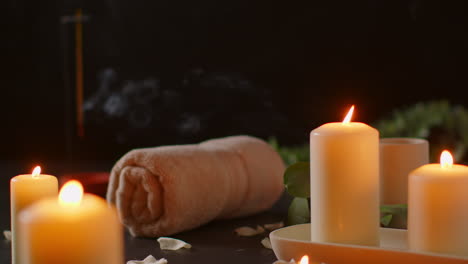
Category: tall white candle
<point>344,180</point>
<point>438,208</point>
<point>26,189</point>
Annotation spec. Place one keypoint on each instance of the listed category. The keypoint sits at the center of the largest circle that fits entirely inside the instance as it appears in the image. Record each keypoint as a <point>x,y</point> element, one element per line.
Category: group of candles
<point>67,227</point>
<point>345,192</point>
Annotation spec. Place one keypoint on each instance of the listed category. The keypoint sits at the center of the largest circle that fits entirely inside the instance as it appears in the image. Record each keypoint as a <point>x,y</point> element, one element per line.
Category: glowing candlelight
<point>304,260</point>
<point>71,193</point>
<point>36,172</point>
<point>348,116</point>
<point>446,159</point>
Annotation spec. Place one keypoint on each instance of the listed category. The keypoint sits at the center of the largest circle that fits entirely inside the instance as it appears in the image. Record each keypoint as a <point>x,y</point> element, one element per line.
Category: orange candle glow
<point>74,228</point>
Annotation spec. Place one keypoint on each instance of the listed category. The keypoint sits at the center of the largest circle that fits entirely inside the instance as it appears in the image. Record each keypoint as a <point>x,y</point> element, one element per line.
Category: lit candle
<point>26,189</point>
<point>344,180</point>
<point>304,260</point>
<point>438,207</point>
<point>73,229</point>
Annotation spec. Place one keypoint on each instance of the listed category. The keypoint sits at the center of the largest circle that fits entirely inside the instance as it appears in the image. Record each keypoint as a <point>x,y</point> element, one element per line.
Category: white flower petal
<point>273,226</point>
<point>249,231</point>
<point>266,243</point>
<point>168,243</point>
<point>148,260</point>
<point>7,234</point>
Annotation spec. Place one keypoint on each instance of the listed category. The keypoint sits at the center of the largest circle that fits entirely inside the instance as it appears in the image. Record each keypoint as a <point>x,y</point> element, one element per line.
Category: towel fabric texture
<point>166,190</point>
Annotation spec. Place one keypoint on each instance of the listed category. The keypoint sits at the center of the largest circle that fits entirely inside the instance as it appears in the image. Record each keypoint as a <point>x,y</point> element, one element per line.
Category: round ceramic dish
<point>293,242</point>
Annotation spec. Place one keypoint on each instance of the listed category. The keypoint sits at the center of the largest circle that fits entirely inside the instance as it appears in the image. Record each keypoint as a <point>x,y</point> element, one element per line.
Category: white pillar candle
<point>26,189</point>
<point>73,229</point>
<point>344,180</point>
<point>438,208</point>
<point>398,157</point>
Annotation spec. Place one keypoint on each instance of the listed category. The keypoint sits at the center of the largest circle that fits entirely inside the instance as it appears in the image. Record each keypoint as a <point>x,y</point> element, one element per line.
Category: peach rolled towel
<point>166,190</point>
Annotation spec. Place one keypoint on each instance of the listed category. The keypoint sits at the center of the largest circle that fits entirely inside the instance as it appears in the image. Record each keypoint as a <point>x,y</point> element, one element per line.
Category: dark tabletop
<point>213,243</point>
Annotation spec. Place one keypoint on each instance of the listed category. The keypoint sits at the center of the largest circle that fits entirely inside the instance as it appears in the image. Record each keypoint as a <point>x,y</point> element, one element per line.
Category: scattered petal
<point>273,226</point>
<point>292,261</point>
<point>266,243</point>
<point>7,234</point>
<point>249,231</point>
<point>168,243</point>
<point>148,260</point>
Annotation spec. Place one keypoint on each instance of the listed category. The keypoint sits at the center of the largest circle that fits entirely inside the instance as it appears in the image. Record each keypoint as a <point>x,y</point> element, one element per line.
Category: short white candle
<point>344,180</point>
<point>26,189</point>
<point>438,207</point>
<point>72,229</point>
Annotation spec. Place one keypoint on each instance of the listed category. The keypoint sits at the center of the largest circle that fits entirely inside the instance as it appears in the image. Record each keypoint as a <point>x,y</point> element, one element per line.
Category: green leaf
<point>386,219</point>
<point>298,212</point>
<point>290,154</point>
<point>394,215</point>
<point>297,179</point>
<point>445,125</point>
<point>394,208</point>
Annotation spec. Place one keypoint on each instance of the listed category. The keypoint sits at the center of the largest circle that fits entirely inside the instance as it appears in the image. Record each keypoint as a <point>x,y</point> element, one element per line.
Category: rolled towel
<point>166,190</point>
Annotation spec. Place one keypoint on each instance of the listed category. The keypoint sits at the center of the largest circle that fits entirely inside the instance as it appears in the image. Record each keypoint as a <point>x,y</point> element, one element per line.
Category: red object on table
<point>93,182</point>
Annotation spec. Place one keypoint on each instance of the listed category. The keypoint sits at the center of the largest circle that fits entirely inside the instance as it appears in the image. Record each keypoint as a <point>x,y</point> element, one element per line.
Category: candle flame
<point>347,119</point>
<point>446,159</point>
<point>71,193</point>
<point>304,260</point>
<point>36,172</point>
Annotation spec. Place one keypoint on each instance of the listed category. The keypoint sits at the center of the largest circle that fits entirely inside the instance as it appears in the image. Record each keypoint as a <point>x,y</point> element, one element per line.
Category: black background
<point>266,68</point>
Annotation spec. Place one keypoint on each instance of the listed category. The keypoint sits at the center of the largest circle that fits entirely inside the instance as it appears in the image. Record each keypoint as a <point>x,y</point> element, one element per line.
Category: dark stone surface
<point>215,242</point>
